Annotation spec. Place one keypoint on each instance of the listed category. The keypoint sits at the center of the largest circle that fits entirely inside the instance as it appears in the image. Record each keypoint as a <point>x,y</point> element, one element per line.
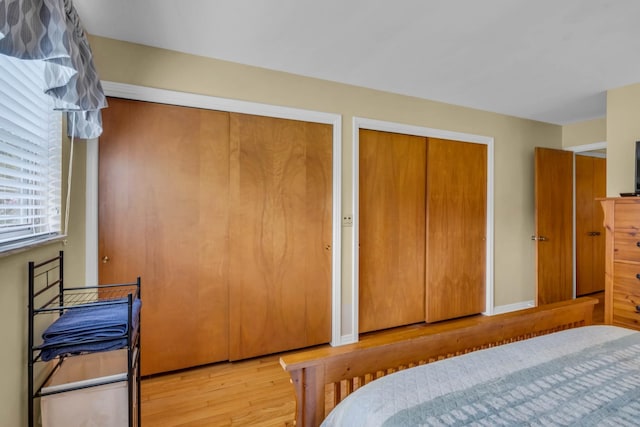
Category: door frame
<point>384,126</point>
<point>579,149</point>
<point>162,96</point>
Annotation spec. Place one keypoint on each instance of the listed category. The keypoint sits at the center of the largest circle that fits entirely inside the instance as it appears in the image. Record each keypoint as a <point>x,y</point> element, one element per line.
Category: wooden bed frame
<point>322,377</point>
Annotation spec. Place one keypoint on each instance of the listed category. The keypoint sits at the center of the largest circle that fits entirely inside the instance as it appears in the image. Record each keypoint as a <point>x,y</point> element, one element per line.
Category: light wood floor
<point>255,392</point>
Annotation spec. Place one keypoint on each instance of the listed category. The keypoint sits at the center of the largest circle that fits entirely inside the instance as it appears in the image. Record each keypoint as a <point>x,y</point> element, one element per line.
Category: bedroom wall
<point>583,133</point>
<point>623,130</point>
<point>13,295</point>
<point>122,62</point>
<point>514,138</point>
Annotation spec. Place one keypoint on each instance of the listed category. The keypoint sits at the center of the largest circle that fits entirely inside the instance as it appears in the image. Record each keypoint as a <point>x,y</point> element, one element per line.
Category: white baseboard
<point>513,307</point>
<point>344,340</point>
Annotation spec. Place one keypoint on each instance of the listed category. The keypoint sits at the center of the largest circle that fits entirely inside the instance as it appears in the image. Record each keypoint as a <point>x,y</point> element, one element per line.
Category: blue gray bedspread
<point>91,329</point>
<point>587,376</point>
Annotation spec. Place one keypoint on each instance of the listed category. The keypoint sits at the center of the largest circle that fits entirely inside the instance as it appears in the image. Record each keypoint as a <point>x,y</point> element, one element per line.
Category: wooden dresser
<point>622,263</point>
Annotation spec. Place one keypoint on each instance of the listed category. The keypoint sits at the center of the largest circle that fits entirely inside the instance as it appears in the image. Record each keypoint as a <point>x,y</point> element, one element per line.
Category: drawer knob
<point>638,244</point>
<point>637,308</point>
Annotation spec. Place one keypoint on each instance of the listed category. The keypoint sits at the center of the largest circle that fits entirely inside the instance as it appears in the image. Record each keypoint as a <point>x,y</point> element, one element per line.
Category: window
<point>30,156</point>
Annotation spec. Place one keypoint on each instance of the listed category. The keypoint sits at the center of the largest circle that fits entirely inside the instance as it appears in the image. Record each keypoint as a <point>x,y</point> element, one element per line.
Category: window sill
<point>30,244</point>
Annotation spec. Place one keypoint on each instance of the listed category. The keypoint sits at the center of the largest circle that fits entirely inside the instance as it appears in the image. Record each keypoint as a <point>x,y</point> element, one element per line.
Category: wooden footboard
<point>322,377</point>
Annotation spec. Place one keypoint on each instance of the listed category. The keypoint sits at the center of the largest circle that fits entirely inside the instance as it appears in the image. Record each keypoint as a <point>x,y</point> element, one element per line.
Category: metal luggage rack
<point>49,296</point>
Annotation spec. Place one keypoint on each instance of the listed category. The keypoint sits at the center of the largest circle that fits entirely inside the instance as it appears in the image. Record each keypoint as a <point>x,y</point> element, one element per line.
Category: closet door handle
<point>593,233</point>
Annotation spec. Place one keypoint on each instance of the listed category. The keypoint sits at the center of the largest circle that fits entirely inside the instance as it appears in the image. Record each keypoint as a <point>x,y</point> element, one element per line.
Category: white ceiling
<point>547,60</point>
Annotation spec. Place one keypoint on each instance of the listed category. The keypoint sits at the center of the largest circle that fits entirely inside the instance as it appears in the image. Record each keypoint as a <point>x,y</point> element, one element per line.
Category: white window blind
<point>30,156</point>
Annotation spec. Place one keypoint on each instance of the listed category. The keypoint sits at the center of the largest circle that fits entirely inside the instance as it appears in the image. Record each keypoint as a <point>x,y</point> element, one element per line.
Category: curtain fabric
<point>50,30</point>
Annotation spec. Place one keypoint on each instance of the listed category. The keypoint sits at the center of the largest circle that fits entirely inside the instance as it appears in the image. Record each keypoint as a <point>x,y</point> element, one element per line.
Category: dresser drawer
<point>624,309</point>
<point>627,215</point>
<point>626,245</point>
<point>626,294</point>
<point>626,277</point>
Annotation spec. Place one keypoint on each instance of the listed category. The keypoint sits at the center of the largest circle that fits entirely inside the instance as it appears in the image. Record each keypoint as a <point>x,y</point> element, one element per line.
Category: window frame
<point>30,158</point>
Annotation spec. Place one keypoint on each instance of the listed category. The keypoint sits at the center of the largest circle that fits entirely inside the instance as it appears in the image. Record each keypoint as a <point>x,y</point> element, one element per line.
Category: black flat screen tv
<point>636,186</point>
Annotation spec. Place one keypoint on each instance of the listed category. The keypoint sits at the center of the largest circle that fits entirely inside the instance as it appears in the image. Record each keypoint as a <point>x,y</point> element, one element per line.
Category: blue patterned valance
<point>50,30</point>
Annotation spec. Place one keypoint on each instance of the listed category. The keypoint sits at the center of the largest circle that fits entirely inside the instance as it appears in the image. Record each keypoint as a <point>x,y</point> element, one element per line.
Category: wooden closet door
<point>392,226</point>
<point>590,183</point>
<point>163,215</point>
<point>456,229</point>
<point>599,244</point>
<point>553,225</point>
<point>280,235</point>
<point>584,224</point>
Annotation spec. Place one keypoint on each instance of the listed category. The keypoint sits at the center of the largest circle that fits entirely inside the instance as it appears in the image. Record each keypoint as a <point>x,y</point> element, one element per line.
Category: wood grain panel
<point>627,245</point>
<point>392,226</point>
<point>163,215</point>
<point>627,277</point>
<point>626,294</point>
<point>455,228</point>
<point>622,261</point>
<point>554,223</point>
<point>280,235</point>
<point>599,242</point>
<point>626,215</point>
<point>584,193</point>
<point>608,209</point>
<point>590,183</point>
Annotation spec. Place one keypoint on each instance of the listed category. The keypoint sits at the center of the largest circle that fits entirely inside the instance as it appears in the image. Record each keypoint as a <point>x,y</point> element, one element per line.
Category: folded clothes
<point>89,329</point>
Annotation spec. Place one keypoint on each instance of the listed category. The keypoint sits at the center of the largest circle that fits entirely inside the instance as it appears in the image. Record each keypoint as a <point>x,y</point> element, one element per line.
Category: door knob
<point>105,259</point>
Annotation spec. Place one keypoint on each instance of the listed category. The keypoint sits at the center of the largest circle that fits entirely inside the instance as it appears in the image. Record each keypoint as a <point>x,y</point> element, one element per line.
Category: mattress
<point>588,376</point>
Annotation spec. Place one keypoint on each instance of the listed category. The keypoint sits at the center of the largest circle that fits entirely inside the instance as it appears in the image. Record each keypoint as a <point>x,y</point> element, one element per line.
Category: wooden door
<point>392,226</point>
<point>599,250</point>
<point>456,224</point>
<point>590,183</point>
<point>280,235</point>
<point>163,216</point>
<point>553,225</point>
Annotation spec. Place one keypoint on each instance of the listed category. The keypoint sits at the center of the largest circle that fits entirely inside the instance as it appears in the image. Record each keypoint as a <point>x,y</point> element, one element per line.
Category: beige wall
<point>13,297</point>
<point>584,133</point>
<point>514,138</point>
<point>514,141</point>
<point>623,130</point>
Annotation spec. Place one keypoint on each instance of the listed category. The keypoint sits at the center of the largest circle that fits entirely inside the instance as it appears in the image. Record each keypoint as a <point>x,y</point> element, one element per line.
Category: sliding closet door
<point>280,235</point>
<point>392,226</point>
<point>163,215</point>
<point>456,229</point>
